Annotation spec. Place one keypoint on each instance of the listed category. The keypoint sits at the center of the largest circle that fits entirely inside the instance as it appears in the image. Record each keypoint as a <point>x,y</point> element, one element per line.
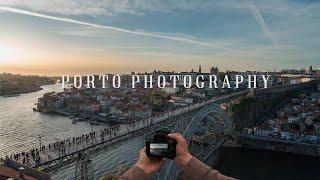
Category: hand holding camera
<point>161,146</point>
<point>174,146</point>
<point>183,155</point>
<point>149,165</point>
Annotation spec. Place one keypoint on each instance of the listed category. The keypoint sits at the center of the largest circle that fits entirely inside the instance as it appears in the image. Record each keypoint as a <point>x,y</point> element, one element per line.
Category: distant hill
<point>17,84</point>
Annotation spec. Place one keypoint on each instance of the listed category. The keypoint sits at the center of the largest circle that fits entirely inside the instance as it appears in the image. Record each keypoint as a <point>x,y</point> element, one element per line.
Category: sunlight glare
<point>7,54</point>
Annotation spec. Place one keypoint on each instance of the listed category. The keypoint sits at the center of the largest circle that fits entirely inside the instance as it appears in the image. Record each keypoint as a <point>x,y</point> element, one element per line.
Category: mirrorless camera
<point>160,145</point>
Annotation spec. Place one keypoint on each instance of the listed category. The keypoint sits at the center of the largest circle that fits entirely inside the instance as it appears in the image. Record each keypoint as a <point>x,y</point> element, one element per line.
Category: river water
<point>244,163</point>
<point>20,128</point>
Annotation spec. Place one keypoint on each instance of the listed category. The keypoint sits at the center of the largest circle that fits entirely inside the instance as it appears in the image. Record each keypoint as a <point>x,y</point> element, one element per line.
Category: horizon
<point>41,38</point>
<point>159,70</point>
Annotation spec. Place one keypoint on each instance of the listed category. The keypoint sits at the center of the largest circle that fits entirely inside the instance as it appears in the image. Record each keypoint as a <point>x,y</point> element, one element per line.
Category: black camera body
<point>160,145</point>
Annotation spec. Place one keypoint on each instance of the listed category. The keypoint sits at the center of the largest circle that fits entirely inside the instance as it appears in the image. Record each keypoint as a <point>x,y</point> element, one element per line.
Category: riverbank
<point>20,126</point>
<point>273,144</point>
<point>18,93</point>
<point>15,84</point>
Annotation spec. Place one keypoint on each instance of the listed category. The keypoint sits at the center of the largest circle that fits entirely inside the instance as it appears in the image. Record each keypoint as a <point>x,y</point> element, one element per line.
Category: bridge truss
<point>208,130</point>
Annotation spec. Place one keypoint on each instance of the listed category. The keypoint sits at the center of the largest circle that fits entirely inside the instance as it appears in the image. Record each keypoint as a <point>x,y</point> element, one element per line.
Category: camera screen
<point>158,148</point>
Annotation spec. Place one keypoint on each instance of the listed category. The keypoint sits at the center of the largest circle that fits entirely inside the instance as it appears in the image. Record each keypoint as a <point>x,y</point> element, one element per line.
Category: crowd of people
<point>60,148</point>
<point>66,146</point>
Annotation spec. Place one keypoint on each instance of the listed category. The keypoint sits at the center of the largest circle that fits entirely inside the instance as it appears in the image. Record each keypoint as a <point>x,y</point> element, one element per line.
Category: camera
<point>160,145</point>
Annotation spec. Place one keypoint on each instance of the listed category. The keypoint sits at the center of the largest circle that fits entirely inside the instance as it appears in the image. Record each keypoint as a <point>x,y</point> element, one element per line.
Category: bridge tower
<point>84,168</point>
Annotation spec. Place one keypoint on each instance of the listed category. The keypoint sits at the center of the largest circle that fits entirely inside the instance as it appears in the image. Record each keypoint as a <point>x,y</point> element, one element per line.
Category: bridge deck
<point>64,152</point>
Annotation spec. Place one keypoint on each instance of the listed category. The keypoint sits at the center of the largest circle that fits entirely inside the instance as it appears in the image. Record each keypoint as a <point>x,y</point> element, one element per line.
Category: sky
<point>55,37</point>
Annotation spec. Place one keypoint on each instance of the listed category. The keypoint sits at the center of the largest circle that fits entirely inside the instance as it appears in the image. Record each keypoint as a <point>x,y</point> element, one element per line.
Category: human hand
<point>149,165</point>
<point>183,155</point>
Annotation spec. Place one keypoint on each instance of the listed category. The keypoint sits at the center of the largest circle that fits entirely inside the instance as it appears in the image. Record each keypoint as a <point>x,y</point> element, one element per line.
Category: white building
<point>171,90</point>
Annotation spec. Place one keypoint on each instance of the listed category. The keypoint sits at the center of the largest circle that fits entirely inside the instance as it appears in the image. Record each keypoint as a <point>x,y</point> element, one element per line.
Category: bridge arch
<point>211,113</point>
<point>205,112</point>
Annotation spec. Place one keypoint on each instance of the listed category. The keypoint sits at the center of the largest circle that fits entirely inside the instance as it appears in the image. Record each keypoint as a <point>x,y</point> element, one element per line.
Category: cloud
<point>72,7</point>
<point>141,7</point>
<point>90,48</point>
<point>114,7</point>
<point>78,33</point>
<point>257,15</point>
<point>141,33</point>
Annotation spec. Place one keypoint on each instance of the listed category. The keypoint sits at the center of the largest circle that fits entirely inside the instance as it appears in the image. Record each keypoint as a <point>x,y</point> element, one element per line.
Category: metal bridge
<point>213,126</point>
<point>179,119</point>
<point>204,125</point>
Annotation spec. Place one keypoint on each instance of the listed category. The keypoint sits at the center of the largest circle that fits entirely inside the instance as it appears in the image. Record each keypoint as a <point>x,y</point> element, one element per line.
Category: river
<point>244,163</point>
<point>20,128</point>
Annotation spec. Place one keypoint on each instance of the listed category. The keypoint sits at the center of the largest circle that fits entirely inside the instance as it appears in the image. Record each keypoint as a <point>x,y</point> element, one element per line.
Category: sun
<point>7,54</point>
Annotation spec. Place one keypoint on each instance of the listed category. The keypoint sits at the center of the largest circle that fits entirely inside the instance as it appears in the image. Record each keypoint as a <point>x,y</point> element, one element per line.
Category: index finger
<point>176,136</point>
